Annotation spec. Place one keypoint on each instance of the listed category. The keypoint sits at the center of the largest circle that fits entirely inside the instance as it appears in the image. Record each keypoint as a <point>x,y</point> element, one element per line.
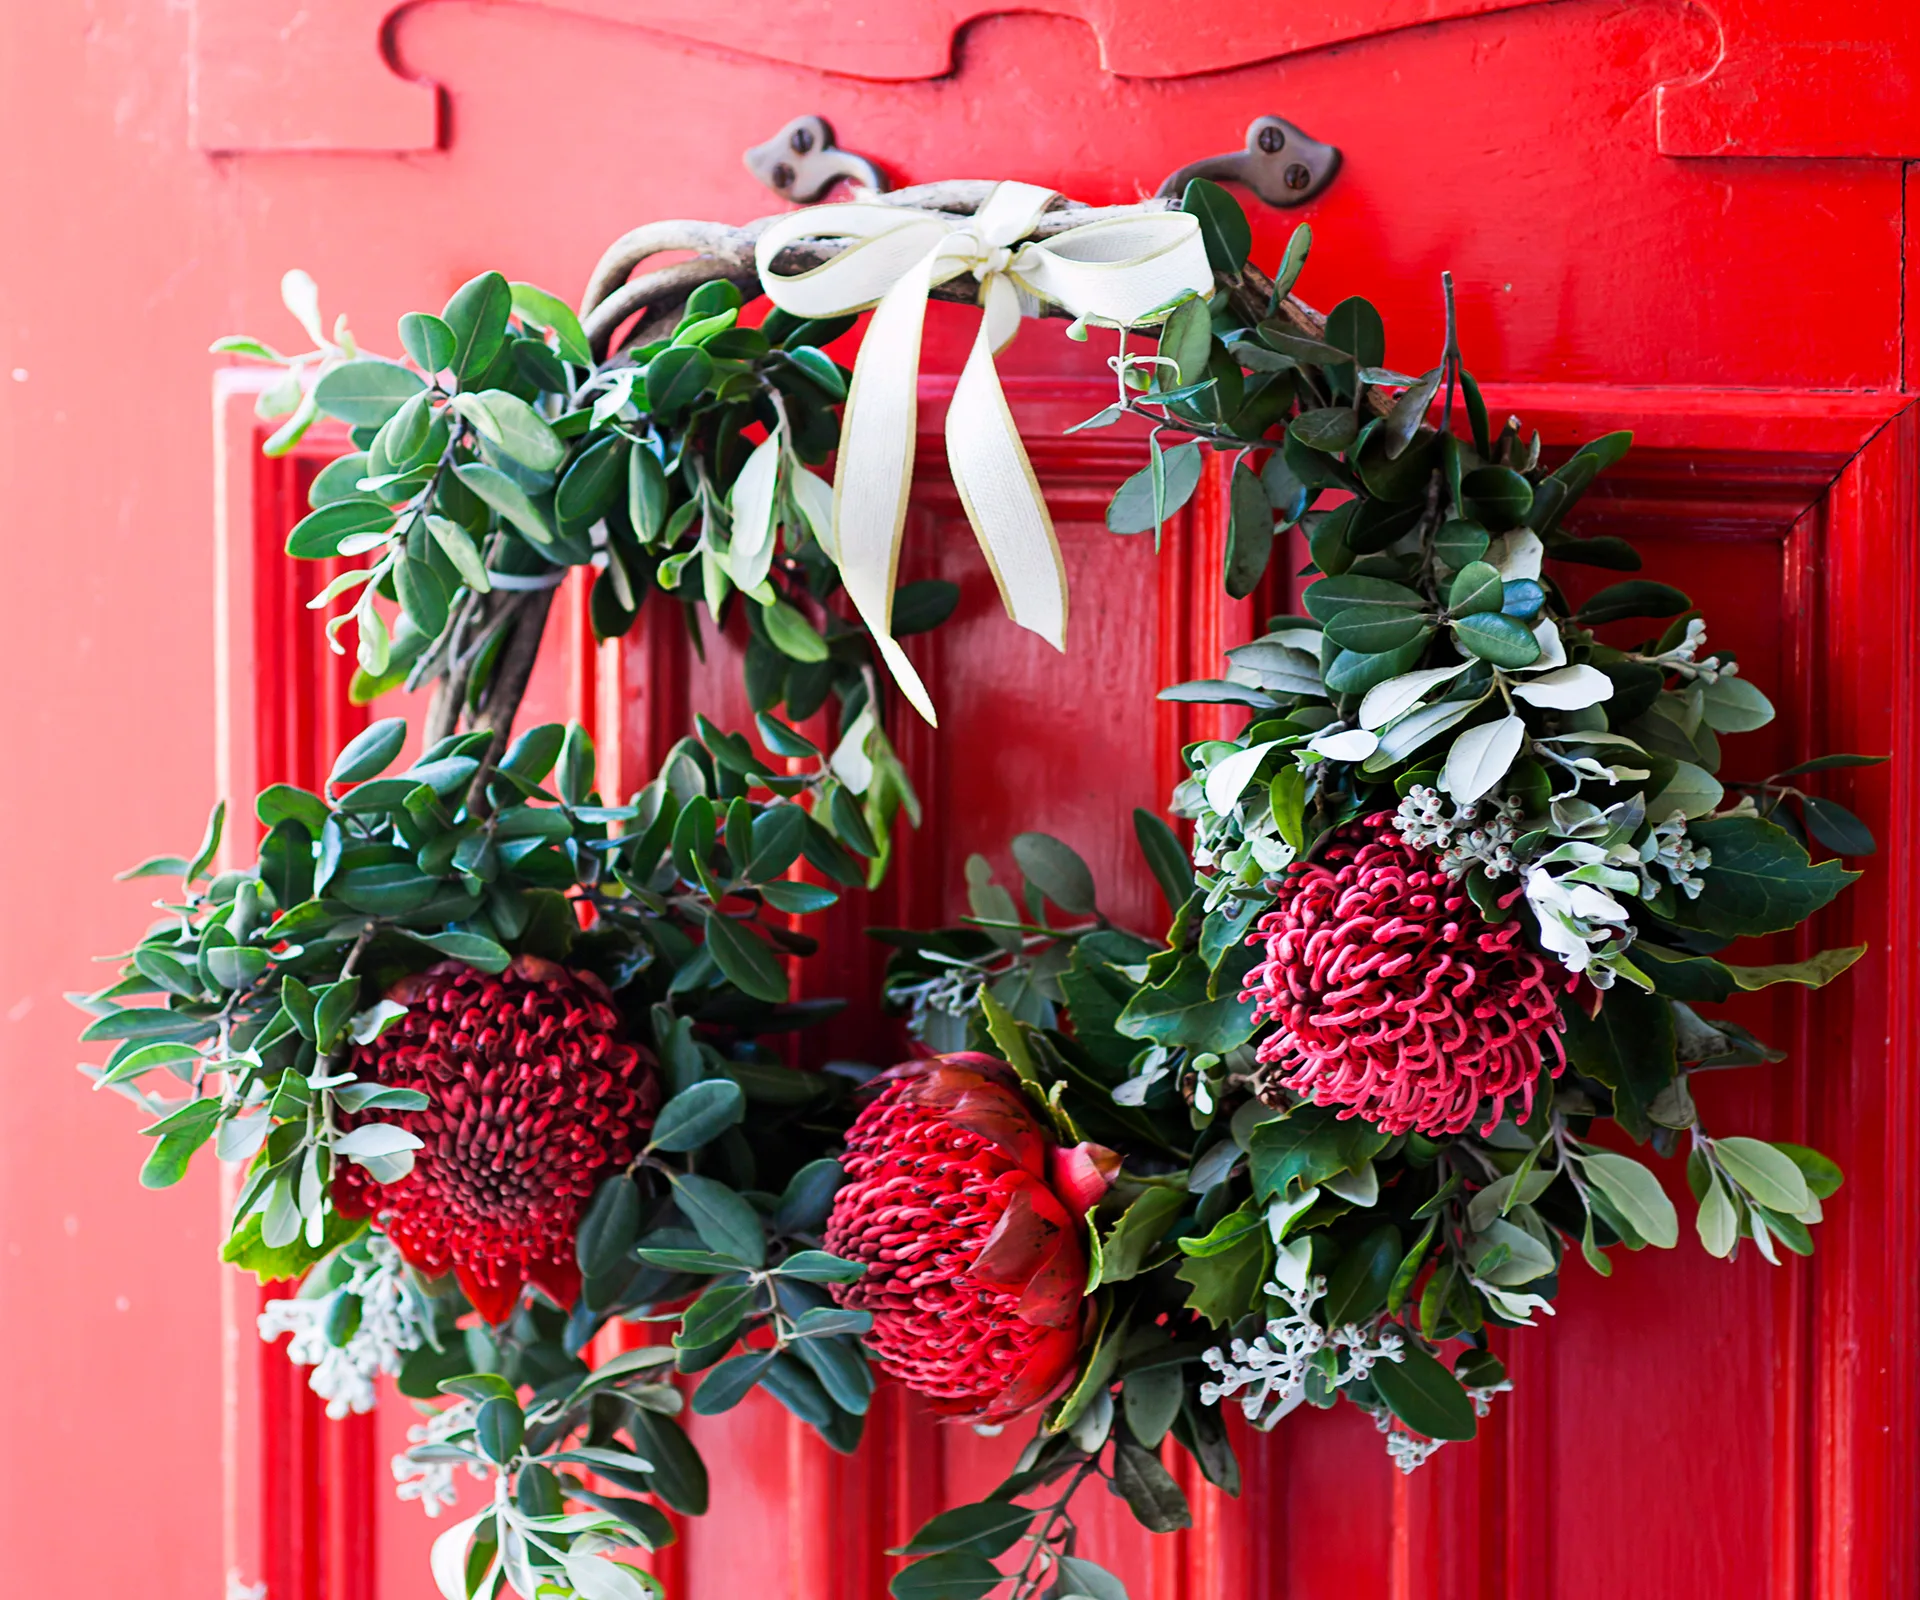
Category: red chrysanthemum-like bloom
<point>1396,998</point>
<point>533,1097</point>
<point>969,1221</point>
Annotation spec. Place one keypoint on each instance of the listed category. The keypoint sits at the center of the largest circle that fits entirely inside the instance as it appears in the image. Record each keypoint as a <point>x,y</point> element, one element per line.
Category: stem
<point>528,610</point>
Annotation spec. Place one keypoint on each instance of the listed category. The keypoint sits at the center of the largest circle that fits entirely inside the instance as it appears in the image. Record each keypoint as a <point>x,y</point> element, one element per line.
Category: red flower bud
<point>970,1221</point>
<point>533,1099</point>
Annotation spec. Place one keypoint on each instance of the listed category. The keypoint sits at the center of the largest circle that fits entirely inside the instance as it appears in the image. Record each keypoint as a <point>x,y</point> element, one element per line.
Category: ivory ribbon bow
<point>1118,272</point>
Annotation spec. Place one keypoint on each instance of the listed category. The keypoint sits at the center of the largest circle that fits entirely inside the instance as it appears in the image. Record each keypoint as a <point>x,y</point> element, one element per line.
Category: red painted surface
<point>1736,1431</point>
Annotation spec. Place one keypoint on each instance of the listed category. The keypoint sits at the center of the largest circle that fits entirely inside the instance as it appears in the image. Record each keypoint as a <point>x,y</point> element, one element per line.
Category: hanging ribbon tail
<point>874,474</point>
<point>996,482</point>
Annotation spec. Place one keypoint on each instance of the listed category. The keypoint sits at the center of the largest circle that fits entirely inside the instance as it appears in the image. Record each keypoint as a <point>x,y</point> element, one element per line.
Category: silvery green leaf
<point>1294,637</point>
<point>596,1579</point>
<point>1732,705</point>
<point>1693,792</point>
<point>281,1225</point>
<point>1762,1237</point>
<point>301,295</point>
<point>1090,1431</point>
<point>448,1561</point>
<point>1418,727</point>
<point>1480,757</point>
<point>814,496</point>
<point>1228,778</point>
<point>1766,1174</point>
<point>1514,1307</point>
<point>366,1026</point>
<point>1386,701</point>
<point>375,1139</point>
<point>1344,744</point>
<point>239,1138</point>
<point>1553,650</point>
<point>850,762</point>
<point>1488,1203</point>
<point>1277,667</point>
<point>1636,1194</point>
<point>1566,688</point>
<point>1527,1258</point>
<point>1517,555</point>
<point>1362,1188</point>
<point>750,510</point>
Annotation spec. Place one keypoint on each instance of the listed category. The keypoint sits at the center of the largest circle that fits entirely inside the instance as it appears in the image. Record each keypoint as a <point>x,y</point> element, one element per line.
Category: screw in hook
<point>802,141</point>
<point>782,176</point>
<point>1297,176</point>
<point>1272,140</point>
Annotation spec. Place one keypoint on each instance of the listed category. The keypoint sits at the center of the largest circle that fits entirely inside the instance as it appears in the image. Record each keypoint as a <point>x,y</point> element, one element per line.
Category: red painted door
<point>1686,219</point>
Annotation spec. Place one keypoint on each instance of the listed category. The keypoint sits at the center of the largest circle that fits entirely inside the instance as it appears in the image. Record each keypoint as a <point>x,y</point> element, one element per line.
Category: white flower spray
<point>392,1322</point>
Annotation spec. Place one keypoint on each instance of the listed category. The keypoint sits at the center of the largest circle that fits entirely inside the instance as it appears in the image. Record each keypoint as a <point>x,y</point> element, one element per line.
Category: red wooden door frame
<point>1832,477</point>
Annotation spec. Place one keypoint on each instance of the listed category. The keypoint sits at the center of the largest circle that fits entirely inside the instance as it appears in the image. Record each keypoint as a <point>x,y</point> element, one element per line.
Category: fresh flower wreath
<point>498,1057</point>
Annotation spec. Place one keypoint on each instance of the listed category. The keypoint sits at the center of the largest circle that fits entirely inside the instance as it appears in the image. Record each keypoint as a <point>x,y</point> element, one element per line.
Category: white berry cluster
<point>1462,840</point>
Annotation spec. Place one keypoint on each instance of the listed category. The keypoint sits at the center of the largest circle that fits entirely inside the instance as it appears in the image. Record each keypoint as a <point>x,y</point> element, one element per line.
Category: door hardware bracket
<point>1281,164</point>
<point>801,163</point>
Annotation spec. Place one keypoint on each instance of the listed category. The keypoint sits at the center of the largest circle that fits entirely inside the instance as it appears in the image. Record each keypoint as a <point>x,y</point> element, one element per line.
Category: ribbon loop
<point>1117,272</point>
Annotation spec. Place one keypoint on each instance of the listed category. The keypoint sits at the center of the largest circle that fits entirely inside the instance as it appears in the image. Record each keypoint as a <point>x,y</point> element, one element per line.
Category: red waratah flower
<point>1396,998</point>
<point>969,1220</point>
<point>533,1098</point>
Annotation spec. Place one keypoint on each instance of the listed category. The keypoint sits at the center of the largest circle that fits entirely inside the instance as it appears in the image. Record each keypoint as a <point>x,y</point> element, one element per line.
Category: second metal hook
<point>1282,164</point>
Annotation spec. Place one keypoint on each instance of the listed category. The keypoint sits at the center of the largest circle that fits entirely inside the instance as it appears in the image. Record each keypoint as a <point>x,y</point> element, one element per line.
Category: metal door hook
<point>1280,164</point>
<point>801,163</point>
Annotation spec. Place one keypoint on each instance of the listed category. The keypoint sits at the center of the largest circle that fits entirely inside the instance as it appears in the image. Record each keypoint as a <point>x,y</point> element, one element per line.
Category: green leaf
<point>499,1427</point>
<point>1186,339</point>
<point>1629,1047</point>
<point>369,752</point>
<point>954,1575</point>
<point>816,1266</point>
<point>1497,497</point>
<point>1225,1285</point>
<point>1769,1175</point>
<point>676,378</point>
<point>1223,225</point>
<point>1151,1400</point>
<point>1354,326</point>
<point>988,1528</point>
<point>608,1227</point>
<point>729,1383</point>
<point>1833,824</point>
<point>745,959</point>
<point>1166,858</point>
<point>248,1251</point>
<point>428,340</point>
<point>1496,638</point>
<point>363,394</point>
<point>1761,879</point>
<point>1639,597</point>
<point>791,634</point>
<point>1328,430</point>
<point>1132,509</point>
<point>513,427</point>
<point>535,305</point>
<point>477,314</point>
<point>1056,871</point>
<point>1370,598</point>
<point>476,950</point>
<point>727,1225</point>
<point>1359,1284</point>
<point>1299,242</point>
<point>697,1115</point>
<point>1636,1194</point>
<point>507,497</point>
<point>1082,1580</point>
<point>1249,533</point>
<point>716,1316</point>
<point>1424,1395</point>
<point>1476,587</point>
<point>1157,1502</point>
<point>321,533</point>
<point>180,1135</point>
<point>1822,1176</point>
<point>1290,1154</point>
<point>647,494</point>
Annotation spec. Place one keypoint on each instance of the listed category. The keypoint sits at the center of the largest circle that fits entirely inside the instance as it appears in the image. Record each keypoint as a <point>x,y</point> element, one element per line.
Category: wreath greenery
<point>498,1054</point>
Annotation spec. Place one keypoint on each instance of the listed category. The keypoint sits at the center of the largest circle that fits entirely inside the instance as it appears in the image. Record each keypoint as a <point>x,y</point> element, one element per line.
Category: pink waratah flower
<point>969,1218</point>
<point>1395,998</point>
